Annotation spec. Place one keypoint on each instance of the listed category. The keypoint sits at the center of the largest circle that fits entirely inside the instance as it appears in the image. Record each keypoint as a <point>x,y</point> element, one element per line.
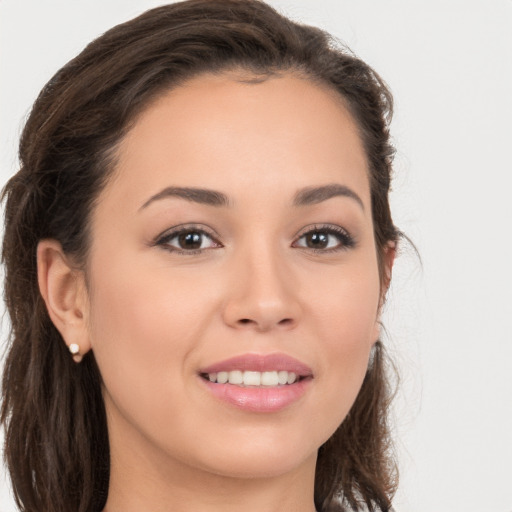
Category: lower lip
<point>259,399</point>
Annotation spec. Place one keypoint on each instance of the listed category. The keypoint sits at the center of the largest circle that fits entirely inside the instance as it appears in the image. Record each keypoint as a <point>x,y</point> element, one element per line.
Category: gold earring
<point>74,348</point>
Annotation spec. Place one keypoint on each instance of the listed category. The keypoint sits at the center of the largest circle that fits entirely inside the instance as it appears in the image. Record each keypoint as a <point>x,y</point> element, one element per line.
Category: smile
<point>251,378</point>
<point>258,383</point>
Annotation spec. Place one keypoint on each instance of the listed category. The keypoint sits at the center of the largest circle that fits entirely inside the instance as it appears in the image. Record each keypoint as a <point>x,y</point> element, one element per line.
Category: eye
<point>326,239</point>
<point>187,240</point>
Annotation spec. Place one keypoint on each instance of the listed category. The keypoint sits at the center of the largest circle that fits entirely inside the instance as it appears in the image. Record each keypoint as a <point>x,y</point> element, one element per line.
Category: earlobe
<point>64,293</point>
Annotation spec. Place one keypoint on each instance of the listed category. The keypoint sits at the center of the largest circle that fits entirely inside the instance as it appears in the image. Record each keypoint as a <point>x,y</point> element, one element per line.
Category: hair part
<point>56,443</point>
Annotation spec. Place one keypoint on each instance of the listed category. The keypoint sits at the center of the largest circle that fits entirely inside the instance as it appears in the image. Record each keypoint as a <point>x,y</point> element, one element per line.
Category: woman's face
<point>234,242</point>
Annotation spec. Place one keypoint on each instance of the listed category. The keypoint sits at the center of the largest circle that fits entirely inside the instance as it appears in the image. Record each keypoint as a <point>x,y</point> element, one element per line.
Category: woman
<point>197,248</point>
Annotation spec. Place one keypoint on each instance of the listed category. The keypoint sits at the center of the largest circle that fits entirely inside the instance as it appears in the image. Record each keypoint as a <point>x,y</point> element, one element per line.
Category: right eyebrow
<point>196,195</point>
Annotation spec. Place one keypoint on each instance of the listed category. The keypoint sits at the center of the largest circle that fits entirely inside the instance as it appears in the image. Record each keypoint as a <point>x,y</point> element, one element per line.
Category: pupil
<point>316,240</point>
<point>190,240</point>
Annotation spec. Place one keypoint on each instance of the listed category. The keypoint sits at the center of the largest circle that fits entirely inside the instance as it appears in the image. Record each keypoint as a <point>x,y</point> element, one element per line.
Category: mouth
<point>247,378</point>
<point>258,383</point>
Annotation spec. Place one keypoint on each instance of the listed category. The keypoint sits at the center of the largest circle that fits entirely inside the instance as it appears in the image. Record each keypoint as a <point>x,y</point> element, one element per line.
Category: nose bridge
<point>262,295</point>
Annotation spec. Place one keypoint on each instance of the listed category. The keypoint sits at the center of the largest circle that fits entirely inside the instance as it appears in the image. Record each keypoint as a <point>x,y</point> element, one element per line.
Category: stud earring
<point>74,348</point>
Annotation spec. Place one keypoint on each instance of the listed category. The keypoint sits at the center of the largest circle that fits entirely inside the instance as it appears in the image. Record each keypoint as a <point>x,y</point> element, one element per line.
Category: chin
<point>260,457</point>
<point>264,466</point>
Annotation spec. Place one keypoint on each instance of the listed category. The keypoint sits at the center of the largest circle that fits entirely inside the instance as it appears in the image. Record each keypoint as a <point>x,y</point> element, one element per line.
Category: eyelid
<point>347,241</point>
<point>163,238</point>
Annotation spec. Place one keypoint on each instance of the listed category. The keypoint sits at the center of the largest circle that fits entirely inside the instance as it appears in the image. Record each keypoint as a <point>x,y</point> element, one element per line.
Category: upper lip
<point>260,363</point>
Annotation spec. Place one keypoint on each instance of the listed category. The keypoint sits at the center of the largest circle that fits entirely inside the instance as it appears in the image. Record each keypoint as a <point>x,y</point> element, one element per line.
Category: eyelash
<point>165,239</point>
<point>345,240</point>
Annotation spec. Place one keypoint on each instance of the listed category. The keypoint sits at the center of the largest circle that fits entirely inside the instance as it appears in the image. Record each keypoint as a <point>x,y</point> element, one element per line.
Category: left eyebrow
<point>314,195</point>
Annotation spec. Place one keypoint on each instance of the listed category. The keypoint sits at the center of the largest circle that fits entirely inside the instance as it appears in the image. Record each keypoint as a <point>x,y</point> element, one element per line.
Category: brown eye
<point>187,240</point>
<point>192,240</point>
<point>325,239</point>
<point>317,240</point>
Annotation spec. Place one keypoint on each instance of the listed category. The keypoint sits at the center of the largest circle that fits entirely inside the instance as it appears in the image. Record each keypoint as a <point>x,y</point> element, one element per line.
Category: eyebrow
<point>315,195</point>
<point>304,197</point>
<point>196,195</point>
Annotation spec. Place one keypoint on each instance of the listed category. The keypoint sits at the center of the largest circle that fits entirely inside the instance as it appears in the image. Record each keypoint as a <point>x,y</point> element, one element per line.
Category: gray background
<point>449,65</point>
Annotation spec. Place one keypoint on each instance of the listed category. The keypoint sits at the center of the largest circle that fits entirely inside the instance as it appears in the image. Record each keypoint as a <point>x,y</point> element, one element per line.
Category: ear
<point>63,289</point>
<point>388,260</point>
<point>387,269</point>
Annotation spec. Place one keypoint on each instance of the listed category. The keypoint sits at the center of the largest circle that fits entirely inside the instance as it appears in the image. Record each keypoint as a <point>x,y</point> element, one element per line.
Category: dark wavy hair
<point>56,442</point>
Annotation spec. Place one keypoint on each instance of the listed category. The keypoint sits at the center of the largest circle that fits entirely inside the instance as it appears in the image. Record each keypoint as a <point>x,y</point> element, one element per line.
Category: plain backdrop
<point>448,319</point>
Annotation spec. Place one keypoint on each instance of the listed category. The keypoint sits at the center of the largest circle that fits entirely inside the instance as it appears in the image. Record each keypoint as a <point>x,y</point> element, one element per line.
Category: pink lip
<point>259,399</point>
<point>260,363</point>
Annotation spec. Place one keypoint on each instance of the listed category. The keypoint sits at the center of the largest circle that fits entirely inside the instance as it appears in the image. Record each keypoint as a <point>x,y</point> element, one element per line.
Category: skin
<point>154,316</point>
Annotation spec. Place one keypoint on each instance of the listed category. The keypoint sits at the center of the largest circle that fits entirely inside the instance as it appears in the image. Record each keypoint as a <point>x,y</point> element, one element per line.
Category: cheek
<point>141,333</point>
<point>345,307</point>
<point>148,323</point>
<point>345,313</point>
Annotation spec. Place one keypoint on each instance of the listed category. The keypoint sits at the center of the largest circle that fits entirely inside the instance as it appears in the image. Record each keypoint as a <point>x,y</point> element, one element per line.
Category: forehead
<point>282,133</point>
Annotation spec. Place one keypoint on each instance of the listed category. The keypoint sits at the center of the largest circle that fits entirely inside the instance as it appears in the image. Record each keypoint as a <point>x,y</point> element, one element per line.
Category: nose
<point>262,295</point>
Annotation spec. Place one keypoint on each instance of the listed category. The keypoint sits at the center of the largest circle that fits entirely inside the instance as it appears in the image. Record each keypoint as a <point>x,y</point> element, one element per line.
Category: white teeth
<point>236,377</point>
<point>282,377</point>
<point>222,377</point>
<point>269,379</point>
<point>250,378</point>
<point>291,378</point>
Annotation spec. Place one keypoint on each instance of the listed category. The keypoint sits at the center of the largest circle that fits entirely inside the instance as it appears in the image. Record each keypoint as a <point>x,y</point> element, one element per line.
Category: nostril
<point>265,324</point>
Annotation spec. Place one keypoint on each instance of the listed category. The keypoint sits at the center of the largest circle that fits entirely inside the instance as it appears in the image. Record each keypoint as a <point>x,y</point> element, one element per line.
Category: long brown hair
<point>56,444</point>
